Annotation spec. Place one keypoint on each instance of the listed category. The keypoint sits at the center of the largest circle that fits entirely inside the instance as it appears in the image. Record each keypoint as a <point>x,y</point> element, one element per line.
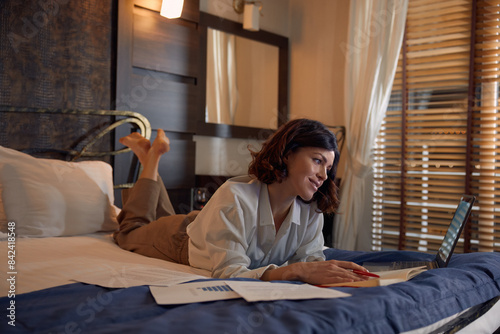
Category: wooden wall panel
<point>165,102</point>
<point>177,166</point>
<point>163,45</point>
<point>158,75</point>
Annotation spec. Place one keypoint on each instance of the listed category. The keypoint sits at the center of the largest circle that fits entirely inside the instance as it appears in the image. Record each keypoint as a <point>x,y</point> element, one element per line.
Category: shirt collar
<point>265,213</point>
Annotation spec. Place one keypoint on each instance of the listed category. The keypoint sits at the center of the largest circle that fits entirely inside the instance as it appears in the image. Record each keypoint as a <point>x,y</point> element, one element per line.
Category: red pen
<point>364,273</point>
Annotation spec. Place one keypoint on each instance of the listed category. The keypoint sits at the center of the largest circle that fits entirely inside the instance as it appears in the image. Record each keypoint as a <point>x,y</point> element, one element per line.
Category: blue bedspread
<point>469,280</point>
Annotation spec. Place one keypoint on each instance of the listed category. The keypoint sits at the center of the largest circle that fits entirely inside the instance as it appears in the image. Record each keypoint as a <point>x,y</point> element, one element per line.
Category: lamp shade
<point>251,16</point>
<point>171,9</point>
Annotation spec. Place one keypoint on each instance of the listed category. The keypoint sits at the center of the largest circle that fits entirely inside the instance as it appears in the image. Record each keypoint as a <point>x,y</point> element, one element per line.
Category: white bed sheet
<point>42,263</point>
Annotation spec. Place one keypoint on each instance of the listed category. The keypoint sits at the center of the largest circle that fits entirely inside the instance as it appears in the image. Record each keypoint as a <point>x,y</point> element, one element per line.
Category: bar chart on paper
<point>192,293</point>
<point>216,288</point>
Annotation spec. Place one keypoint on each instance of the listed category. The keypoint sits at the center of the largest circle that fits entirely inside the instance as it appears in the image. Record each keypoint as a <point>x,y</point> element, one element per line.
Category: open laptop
<point>447,246</point>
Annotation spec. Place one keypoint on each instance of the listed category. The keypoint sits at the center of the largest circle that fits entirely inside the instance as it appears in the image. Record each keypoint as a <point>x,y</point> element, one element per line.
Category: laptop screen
<point>456,227</point>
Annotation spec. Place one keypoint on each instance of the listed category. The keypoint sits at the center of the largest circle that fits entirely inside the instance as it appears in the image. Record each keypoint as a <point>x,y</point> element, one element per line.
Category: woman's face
<point>308,168</point>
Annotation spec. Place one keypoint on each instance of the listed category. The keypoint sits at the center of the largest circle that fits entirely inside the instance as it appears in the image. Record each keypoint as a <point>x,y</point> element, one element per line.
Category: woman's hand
<point>317,273</point>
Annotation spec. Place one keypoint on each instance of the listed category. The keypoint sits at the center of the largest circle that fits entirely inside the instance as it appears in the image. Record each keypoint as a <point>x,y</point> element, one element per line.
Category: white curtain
<point>222,94</point>
<point>376,29</point>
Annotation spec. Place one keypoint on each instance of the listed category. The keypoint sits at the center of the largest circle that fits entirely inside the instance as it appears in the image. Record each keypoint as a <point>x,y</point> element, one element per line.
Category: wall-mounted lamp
<point>171,9</point>
<point>251,13</point>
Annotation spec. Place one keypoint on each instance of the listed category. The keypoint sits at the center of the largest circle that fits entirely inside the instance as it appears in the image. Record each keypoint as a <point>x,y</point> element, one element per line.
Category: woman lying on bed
<point>267,225</point>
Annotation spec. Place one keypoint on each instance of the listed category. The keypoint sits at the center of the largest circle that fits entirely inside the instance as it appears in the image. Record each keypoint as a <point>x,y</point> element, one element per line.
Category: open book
<point>386,278</point>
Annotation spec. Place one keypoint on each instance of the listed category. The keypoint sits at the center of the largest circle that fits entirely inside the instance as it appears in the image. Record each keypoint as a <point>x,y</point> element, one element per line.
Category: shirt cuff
<point>257,273</point>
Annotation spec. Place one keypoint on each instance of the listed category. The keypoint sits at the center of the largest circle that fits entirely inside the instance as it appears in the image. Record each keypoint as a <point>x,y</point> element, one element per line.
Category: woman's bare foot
<point>138,144</point>
<point>160,146</point>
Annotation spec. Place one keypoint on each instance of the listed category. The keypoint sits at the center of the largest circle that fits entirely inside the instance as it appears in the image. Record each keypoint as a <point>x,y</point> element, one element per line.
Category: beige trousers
<point>149,225</point>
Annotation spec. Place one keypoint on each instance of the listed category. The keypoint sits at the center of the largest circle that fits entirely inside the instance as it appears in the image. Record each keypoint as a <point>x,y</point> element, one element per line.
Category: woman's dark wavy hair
<point>268,164</point>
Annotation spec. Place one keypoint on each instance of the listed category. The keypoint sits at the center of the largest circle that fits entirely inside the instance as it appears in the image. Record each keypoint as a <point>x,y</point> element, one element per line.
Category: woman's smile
<point>316,184</point>
<point>308,168</point>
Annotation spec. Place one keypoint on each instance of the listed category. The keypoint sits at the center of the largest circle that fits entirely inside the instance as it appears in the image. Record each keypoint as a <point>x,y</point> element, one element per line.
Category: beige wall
<point>316,29</point>
<point>317,71</point>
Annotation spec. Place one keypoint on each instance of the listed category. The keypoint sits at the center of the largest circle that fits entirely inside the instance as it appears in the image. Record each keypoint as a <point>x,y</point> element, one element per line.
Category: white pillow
<point>46,197</point>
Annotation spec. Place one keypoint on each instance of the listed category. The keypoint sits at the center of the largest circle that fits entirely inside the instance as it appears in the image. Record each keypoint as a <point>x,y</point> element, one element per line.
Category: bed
<point>49,249</point>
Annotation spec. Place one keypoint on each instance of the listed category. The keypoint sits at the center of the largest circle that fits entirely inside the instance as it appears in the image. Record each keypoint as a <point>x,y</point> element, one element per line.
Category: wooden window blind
<point>440,137</point>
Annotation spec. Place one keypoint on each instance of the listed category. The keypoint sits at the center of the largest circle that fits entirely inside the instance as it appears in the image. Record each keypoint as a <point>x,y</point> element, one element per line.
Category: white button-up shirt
<point>235,236</point>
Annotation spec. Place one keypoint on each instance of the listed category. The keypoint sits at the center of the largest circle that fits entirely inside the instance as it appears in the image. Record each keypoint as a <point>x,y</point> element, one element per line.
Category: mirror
<point>244,80</point>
